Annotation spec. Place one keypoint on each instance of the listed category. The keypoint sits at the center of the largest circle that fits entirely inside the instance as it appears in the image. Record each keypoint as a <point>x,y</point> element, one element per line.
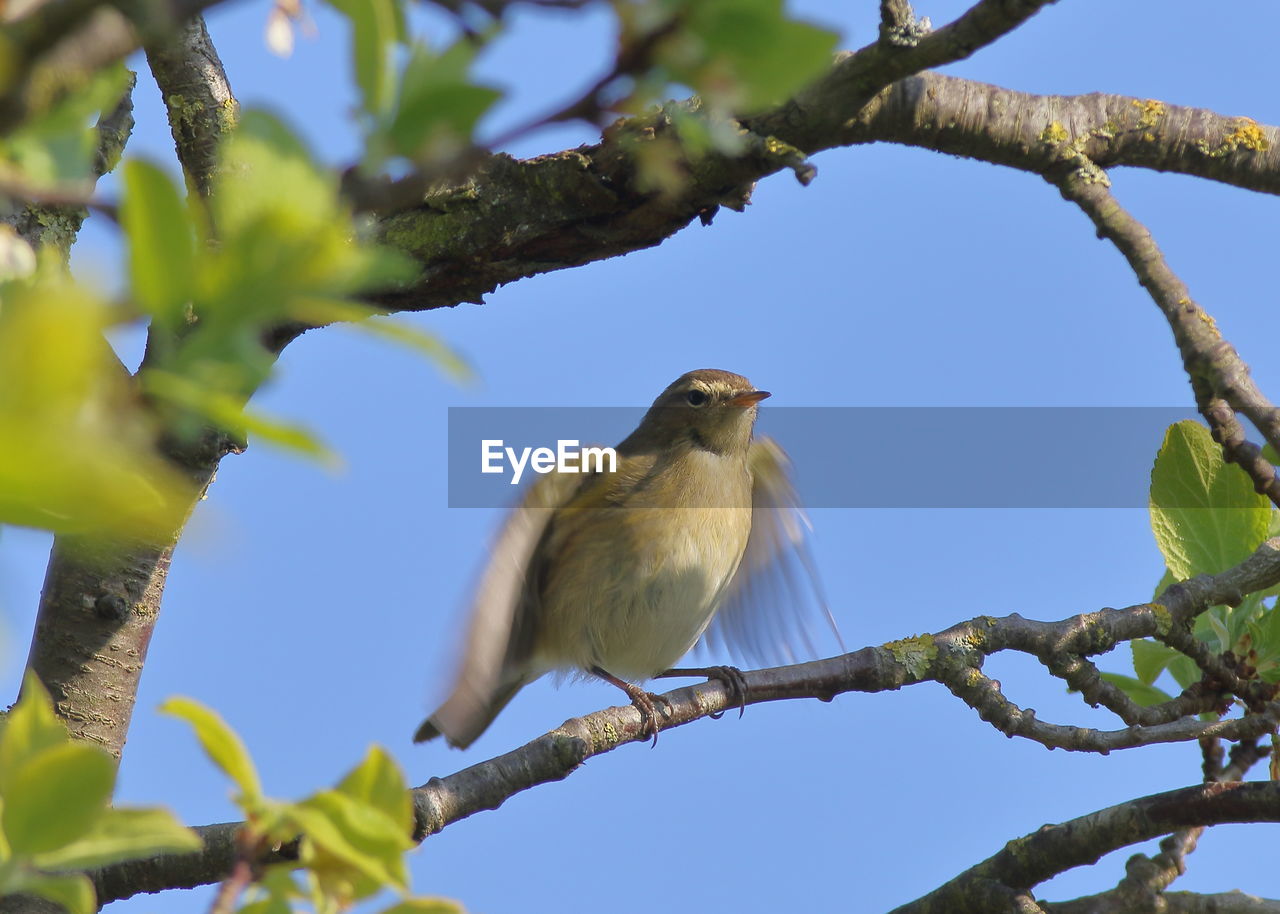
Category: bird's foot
<point>732,678</point>
<point>645,702</point>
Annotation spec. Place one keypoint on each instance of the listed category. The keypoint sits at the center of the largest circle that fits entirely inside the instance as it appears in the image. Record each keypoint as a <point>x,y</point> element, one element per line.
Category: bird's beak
<point>750,398</point>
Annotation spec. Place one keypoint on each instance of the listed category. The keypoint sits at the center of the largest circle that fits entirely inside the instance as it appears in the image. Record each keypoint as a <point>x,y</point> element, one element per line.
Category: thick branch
<point>98,609</point>
<point>1035,132</point>
<point>578,206</point>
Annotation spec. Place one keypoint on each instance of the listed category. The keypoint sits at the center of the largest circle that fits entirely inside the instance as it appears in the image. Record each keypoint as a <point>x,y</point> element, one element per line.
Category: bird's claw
<point>734,682</point>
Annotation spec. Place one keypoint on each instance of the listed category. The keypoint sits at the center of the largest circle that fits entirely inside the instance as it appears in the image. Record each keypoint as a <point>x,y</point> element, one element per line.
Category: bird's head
<point>708,409</point>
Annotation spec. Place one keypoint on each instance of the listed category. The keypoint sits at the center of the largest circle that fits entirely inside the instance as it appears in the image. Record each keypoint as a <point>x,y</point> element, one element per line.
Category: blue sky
<point>319,610</point>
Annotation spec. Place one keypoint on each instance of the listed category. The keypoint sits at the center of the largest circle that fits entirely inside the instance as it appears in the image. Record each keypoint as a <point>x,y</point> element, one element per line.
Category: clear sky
<point>318,611</point>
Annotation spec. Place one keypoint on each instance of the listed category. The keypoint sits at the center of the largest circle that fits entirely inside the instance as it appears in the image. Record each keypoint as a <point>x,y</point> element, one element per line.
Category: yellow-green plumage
<point>624,571</point>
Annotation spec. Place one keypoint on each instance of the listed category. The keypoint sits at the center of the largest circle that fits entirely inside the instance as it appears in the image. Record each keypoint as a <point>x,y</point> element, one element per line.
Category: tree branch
<point>197,96</point>
<point>1026,862</point>
<point>949,657</point>
<point>100,603</point>
<point>1034,132</point>
<point>1210,361</point>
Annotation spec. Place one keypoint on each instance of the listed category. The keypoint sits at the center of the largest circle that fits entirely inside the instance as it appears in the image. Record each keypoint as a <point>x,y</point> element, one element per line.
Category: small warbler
<point>618,575</point>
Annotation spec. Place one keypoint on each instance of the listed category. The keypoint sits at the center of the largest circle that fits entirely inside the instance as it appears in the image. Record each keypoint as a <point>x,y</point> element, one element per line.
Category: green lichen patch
<point>1055,133</point>
<point>916,654</point>
<point>1150,111</point>
<point>1164,618</point>
<point>1245,134</point>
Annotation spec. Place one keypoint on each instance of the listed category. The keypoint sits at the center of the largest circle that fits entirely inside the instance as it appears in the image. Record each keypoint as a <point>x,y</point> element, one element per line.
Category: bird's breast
<point>632,588</point>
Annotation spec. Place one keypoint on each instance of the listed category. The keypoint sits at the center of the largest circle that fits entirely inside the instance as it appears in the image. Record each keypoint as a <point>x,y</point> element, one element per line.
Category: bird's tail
<point>468,712</point>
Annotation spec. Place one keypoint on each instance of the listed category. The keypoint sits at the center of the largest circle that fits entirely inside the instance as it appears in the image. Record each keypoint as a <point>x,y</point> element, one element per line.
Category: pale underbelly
<point>638,617</point>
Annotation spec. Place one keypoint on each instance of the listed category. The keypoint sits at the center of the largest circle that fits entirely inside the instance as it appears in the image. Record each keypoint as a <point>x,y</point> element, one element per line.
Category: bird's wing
<point>775,598</point>
<point>498,638</point>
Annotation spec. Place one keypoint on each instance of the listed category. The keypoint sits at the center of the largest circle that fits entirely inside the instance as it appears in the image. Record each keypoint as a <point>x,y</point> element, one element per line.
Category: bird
<point>618,574</point>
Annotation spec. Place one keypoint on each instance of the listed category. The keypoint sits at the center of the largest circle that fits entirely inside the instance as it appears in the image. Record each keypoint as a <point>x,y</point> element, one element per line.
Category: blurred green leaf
<point>1204,513</point>
<point>285,241</point>
<point>73,891</point>
<point>122,834</point>
<point>378,782</point>
<point>738,55</point>
<point>161,244</point>
<point>28,729</point>
<point>1142,693</point>
<point>438,103</point>
<point>284,233</point>
<point>367,320</point>
<point>228,412</point>
<point>55,796</point>
<point>58,146</point>
<point>377,26</point>
<point>352,843</point>
<point>277,888</point>
<point>220,743</point>
<point>87,462</point>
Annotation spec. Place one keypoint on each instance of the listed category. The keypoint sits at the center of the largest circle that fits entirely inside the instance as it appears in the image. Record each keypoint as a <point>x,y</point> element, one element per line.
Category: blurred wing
<point>775,600</point>
<point>498,634</point>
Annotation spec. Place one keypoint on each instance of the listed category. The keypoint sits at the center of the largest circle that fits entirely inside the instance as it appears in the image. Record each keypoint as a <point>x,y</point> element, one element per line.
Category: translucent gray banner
<point>855,457</point>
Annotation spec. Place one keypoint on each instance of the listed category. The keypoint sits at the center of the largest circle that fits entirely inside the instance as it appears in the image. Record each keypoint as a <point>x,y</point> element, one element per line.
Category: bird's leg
<point>645,702</point>
<point>731,676</point>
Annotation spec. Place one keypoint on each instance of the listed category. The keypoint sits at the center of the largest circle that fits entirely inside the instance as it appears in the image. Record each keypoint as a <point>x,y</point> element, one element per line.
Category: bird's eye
<point>696,397</point>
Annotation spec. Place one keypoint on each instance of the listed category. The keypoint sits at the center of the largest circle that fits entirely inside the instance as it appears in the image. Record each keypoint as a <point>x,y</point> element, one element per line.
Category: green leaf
<point>349,839</point>
<point>220,743</point>
<point>1221,634</point>
<point>55,797</point>
<point>58,146</point>
<point>30,728</point>
<point>366,320</point>
<point>377,26</point>
<point>1150,658</point>
<point>267,175</point>
<point>1266,633</point>
<point>1204,513</point>
<point>87,463</point>
<point>438,103</point>
<point>378,782</point>
<point>1184,671</point>
<point>284,237</point>
<point>1142,693</point>
<point>738,55</point>
<point>73,891</point>
<point>229,412</point>
<point>161,242</point>
<point>123,834</point>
